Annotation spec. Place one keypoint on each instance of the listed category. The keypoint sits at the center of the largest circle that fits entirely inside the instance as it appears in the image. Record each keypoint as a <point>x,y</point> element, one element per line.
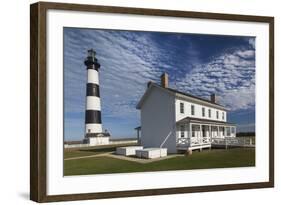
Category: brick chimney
<point>213,98</point>
<point>164,80</point>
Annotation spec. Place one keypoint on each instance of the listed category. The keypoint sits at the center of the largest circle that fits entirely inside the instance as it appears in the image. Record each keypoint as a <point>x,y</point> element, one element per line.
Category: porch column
<point>207,131</point>
<point>210,132</point>
<point>201,135</point>
<point>190,134</point>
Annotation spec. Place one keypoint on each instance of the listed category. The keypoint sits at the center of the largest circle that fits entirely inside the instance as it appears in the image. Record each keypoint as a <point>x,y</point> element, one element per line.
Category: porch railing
<point>228,141</point>
<point>200,140</point>
<point>234,141</point>
<point>183,142</point>
<point>194,141</point>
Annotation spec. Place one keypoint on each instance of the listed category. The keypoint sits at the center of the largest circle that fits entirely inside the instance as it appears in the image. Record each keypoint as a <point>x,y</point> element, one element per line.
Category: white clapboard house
<point>180,121</point>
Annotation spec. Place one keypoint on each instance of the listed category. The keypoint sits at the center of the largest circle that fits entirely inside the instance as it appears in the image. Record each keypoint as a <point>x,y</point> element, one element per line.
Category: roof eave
<point>144,96</point>
<point>202,101</point>
<point>147,93</point>
<point>190,119</point>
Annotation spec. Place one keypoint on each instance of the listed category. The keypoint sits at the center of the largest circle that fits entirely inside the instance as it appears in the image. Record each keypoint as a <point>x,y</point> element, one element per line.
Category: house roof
<point>207,121</point>
<point>192,96</point>
<point>175,92</point>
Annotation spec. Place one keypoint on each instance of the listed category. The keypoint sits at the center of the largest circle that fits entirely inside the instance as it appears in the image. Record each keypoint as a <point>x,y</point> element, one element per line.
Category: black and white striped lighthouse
<point>93,123</point>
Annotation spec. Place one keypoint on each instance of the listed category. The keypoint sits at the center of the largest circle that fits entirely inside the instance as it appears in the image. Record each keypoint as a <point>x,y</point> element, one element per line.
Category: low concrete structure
<point>151,153</point>
<point>128,151</point>
<point>102,140</point>
<point>111,141</point>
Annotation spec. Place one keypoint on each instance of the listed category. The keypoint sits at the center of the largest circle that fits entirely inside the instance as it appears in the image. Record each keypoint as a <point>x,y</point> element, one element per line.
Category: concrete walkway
<point>90,156</point>
<point>131,159</point>
<point>142,160</point>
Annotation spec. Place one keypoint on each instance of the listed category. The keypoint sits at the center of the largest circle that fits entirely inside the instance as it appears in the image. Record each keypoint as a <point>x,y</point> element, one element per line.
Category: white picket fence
<point>111,142</point>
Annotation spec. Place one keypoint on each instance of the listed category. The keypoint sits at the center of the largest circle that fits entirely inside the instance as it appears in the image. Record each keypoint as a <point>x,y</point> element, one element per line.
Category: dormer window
<point>181,108</point>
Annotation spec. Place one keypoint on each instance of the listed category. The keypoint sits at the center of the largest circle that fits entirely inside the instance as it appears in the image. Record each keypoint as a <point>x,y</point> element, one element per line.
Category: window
<point>205,130</point>
<point>192,110</point>
<point>232,130</point>
<point>182,131</point>
<point>203,112</point>
<point>89,130</point>
<point>223,115</point>
<point>195,129</point>
<point>181,108</point>
<point>217,114</point>
<point>210,114</point>
<point>228,131</point>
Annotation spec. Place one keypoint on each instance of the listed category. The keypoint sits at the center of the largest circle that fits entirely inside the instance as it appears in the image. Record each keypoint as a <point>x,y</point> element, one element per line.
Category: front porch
<point>193,135</point>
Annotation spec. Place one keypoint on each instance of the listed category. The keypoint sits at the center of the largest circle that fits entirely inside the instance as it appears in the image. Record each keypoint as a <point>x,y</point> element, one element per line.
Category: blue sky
<point>197,64</point>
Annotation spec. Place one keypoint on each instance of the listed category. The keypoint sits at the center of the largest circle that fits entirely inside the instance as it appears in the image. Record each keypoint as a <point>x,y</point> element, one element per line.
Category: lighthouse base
<point>93,141</point>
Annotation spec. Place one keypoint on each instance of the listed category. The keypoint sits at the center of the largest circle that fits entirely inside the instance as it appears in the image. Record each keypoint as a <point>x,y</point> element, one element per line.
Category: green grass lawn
<point>216,158</point>
<point>86,152</point>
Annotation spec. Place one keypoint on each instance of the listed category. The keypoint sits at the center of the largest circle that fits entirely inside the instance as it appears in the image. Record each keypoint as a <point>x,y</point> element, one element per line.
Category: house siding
<point>158,120</point>
<point>198,111</point>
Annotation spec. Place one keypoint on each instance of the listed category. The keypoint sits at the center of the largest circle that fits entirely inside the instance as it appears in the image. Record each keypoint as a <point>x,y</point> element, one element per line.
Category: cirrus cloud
<point>130,59</point>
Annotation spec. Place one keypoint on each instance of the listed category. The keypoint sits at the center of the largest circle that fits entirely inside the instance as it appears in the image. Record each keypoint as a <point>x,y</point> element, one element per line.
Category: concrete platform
<point>151,153</point>
<point>128,151</point>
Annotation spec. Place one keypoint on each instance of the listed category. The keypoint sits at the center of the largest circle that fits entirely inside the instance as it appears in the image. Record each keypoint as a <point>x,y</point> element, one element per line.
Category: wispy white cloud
<point>252,42</point>
<point>231,76</point>
<point>129,60</point>
<point>246,54</point>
